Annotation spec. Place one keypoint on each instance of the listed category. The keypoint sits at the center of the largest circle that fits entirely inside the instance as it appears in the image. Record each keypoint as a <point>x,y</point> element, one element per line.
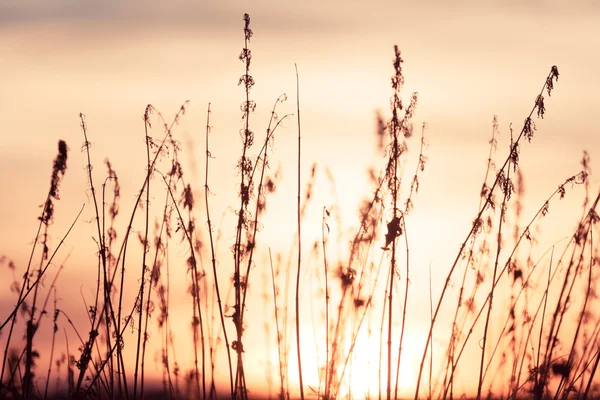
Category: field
<point>235,272</point>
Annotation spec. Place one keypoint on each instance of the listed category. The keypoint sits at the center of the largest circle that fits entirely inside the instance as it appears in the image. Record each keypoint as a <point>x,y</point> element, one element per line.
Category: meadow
<point>515,317</point>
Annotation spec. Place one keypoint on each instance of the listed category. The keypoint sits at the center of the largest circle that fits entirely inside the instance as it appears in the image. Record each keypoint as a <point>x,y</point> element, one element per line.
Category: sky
<point>469,60</point>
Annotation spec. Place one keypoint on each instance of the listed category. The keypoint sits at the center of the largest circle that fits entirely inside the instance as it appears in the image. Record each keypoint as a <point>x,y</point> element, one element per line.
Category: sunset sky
<point>468,60</point>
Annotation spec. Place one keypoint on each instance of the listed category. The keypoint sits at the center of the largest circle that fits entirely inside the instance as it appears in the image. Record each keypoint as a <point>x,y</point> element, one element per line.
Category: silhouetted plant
<point>541,297</point>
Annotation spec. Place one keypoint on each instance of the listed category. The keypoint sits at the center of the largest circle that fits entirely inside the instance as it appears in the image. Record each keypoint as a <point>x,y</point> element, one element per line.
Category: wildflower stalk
<point>58,171</point>
<point>299,246</point>
<point>527,132</point>
<point>195,290</point>
<point>212,253</point>
<point>54,330</point>
<point>455,330</point>
<point>281,395</point>
<point>153,280</point>
<point>592,374</point>
<point>537,359</point>
<point>245,165</point>
<point>121,258</point>
<point>324,243</point>
<point>113,211</point>
<point>580,239</point>
<point>507,188</point>
<point>31,324</point>
<point>116,318</point>
<point>87,348</point>
<point>59,168</point>
<point>398,126</point>
<point>542,211</point>
<point>414,187</point>
<point>145,251</point>
<point>260,205</point>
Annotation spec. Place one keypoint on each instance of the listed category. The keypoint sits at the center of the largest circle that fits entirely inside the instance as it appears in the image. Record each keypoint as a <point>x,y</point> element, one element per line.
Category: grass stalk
<point>326,273</point>
<point>507,188</point>
<point>144,268</point>
<point>299,245</point>
<point>526,131</point>
<point>212,253</point>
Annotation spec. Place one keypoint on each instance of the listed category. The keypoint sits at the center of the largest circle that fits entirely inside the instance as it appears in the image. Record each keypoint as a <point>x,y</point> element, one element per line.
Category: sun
<point>367,376</point>
<point>363,375</point>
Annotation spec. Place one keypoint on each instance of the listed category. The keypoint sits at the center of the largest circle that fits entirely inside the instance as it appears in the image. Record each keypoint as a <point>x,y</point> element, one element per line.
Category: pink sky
<point>469,61</point>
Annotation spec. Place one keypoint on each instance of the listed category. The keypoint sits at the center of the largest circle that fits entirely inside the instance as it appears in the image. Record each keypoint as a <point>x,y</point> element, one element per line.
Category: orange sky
<point>468,61</point>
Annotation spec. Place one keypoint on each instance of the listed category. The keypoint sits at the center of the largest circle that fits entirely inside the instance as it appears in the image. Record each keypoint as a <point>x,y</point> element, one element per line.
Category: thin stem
<point>212,253</point>
<point>143,272</point>
<point>279,356</point>
<point>55,329</point>
<point>506,188</point>
<point>324,241</point>
<point>527,127</point>
<point>299,246</point>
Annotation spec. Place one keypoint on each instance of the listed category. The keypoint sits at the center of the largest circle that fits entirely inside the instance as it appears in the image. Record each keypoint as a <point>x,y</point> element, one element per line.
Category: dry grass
<point>534,319</point>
